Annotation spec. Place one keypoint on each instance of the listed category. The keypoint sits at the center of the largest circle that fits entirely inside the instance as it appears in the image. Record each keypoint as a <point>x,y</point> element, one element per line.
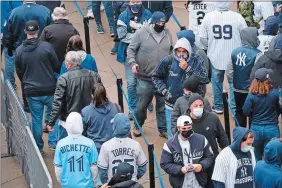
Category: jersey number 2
<point>222,32</point>
<point>200,15</point>
<point>79,161</point>
<point>120,161</point>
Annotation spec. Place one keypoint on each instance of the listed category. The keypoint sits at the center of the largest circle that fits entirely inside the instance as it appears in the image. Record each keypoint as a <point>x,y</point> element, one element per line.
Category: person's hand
<point>105,186</point>
<point>184,170</point>
<point>197,167</point>
<point>183,64</point>
<point>133,24</point>
<point>50,128</point>
<point>134,69</point>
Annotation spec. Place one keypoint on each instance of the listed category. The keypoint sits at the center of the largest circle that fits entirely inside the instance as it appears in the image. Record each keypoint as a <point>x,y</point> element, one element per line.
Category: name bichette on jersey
<point>75,147</point>
<point>123,151</point>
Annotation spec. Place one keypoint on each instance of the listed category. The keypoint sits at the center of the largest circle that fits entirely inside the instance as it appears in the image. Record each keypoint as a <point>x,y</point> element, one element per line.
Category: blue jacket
<point>243,59</point>
<point>268,172</point>
<point>97,122</point>
<point>88,63</point>
<point>125,31</point>
<point>271,26</point>
<point>275,3</point>
<point>172,159</point>
<point>13,33</point>
<point>263,110</point>
<point>6,8</point>
<point>169,76</point>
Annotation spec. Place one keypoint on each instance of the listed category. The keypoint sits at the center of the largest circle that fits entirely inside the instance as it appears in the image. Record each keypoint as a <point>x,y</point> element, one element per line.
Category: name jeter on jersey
<point>200,6</point>
<point>123,151</point>
<point>75,147</point>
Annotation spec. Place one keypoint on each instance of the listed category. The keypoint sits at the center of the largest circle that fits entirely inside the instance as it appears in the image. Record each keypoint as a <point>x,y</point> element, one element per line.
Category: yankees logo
<point>241,59</point>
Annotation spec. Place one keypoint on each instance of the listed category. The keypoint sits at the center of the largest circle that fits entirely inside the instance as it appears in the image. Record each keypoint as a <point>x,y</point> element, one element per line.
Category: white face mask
<point>198,112</point>
<point>246,149</point>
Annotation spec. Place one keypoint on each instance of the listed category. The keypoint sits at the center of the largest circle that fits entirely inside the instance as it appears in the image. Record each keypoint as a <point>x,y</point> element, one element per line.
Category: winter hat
<point>188,34</point>
<point>158,16</point>
<point>182,120</point>
<point>263,74</point>
<point>192,84</point>
<point>31,27</point>
<point>193,98</point>
<point>59,13</point>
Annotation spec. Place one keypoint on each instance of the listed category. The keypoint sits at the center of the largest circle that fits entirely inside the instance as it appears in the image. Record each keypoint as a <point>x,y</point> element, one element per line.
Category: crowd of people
<point>89,133</point>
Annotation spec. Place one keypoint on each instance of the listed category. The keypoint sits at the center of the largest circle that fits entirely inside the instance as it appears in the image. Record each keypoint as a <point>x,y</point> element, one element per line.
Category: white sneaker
<point>90,14</point>
<point>102,7</point>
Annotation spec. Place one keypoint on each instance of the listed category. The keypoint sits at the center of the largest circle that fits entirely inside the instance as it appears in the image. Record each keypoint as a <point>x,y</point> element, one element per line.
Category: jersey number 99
<point>224,32</point>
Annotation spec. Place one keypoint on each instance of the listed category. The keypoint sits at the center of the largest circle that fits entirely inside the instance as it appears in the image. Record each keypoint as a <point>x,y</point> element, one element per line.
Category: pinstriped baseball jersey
<point>119,150</point>
<point>221,28</point>
<point>197,12</point>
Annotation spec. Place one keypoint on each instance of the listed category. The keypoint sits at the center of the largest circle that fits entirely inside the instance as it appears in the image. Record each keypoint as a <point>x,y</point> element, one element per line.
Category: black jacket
<point>58,34</point>
<point>35,61</point>
<point>210,126</point>
<point>127,184</point>
<point>163,6</point>
<point>73,92</point>
<point>51,5</point>
<point>172,159</point>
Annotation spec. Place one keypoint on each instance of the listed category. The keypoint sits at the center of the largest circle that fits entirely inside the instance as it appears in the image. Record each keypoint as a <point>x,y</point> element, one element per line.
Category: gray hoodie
<point>147,48</point>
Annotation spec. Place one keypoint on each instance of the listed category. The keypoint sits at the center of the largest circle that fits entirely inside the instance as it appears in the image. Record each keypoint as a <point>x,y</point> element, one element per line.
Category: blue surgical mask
<point>246,149</point>
<point>135,8</point>
<point>198,112</point>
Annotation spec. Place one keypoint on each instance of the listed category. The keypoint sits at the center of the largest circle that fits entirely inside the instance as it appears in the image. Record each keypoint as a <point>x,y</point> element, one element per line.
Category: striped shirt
<point>262,10</point>
<point>221,28</point>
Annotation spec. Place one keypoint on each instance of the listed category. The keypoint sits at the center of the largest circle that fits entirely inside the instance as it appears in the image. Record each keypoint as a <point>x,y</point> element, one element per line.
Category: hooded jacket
<point>268,171</point>
<point>163,6</point>
<point>172,159</point>
<point>13,33</point>
<point>97,122</point>
<point>243,59</point>
<point>146,51</point>
<point>272,59</point>
<point>226,164</point>
<point>169,76</point>
<point>35,63</point>
<point>58,34</point>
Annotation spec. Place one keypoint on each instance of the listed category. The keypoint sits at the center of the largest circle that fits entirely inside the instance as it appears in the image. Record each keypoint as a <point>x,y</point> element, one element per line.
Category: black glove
<point>182,28</point>
<point>167,95</point>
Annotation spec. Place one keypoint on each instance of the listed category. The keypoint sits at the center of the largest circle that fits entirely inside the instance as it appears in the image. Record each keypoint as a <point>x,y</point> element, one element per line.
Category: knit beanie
<point>193,98</point>
<point>192,84</point>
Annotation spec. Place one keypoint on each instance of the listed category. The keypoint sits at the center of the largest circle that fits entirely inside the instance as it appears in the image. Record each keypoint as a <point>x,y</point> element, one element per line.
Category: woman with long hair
<point>87,60</point>
<point>262,106</point>
<point>97,116</point>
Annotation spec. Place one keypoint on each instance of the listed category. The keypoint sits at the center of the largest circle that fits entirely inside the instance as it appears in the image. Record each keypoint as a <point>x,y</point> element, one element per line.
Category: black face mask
<point>159,28</point>
<point>187,134</point>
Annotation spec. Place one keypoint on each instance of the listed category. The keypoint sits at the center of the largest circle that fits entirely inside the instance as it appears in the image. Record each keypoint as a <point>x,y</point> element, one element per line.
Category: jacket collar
<point>75,68</point>
<point>62,21</point>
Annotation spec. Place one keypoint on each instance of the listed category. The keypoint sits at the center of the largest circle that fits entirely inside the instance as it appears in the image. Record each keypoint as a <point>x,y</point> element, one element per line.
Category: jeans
<point>9,67</point>
<point>61,132</point>
<point>168,111</point>
<point>131,81</point>
<point>108,9</point>
<point>145,94</point>
<point>88,5</point>
<point>217,82</point>
<point>36,106</point>
<point>240,100</point>
<point>263,134</point>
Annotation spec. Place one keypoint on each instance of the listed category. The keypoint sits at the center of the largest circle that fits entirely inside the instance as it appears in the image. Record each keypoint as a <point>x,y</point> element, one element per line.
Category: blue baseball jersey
<point>75,156</point>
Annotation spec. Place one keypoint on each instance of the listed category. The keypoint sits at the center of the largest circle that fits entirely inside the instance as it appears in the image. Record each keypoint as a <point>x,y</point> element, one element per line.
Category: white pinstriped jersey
<point>264,42</point>
<point>262,10</point>
<point>197,13</point>
<point>119,150</point>
<point>221,28</point>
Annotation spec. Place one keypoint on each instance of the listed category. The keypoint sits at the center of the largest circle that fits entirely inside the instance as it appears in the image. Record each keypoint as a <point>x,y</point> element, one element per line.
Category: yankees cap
<point>31,27</point>
<point>183,120</point>
<point>263,74</point>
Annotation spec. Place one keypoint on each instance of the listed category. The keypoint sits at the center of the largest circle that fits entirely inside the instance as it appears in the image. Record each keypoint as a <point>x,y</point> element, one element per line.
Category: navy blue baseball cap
<point>158,16</point>
<point>263,74</point>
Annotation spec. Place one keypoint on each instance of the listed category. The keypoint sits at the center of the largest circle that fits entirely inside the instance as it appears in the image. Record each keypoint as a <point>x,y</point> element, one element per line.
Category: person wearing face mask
<point>207,124</point>
<point>186,157</point>
<point>191,85</point>
<point>148,46</point>
<point>234,166</point>
<point>170,74</point>
<point>239,69</point>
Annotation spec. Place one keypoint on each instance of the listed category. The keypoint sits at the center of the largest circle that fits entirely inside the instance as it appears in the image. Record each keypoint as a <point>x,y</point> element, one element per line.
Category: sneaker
<point>130,116</point>
<point>163,134</point>
<point>112,32</point>
<point>100,29</point>
<point>52,148</point>
<point>102,7</point>
<point>217,111</point>
<point>114,49</point>
<point>90,14</point>
<point>136,132</point>
<point>43,153</point>
<point>15,87</point>
<point>150,107</point>
<point>45,130</point>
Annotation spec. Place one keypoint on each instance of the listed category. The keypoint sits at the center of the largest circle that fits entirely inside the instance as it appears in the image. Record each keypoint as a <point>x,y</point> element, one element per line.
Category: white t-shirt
<point>264,42</point>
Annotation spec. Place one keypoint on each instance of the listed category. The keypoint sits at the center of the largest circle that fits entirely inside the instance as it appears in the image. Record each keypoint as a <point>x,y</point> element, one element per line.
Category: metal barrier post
<point>151,165</point>
<point>120,96</point>
<point>226,114</point>
<point>87,35</point>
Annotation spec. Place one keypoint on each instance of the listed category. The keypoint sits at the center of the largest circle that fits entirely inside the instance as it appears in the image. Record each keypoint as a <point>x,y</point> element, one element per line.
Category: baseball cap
<point>263,74</point>
<point>158,16</point>
<point>124,172</point>
<point>182,120</point>
<point>31,27</point>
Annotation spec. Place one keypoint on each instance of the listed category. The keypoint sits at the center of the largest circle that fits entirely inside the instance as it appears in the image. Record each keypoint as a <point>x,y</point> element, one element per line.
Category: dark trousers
<point>239,101</point>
